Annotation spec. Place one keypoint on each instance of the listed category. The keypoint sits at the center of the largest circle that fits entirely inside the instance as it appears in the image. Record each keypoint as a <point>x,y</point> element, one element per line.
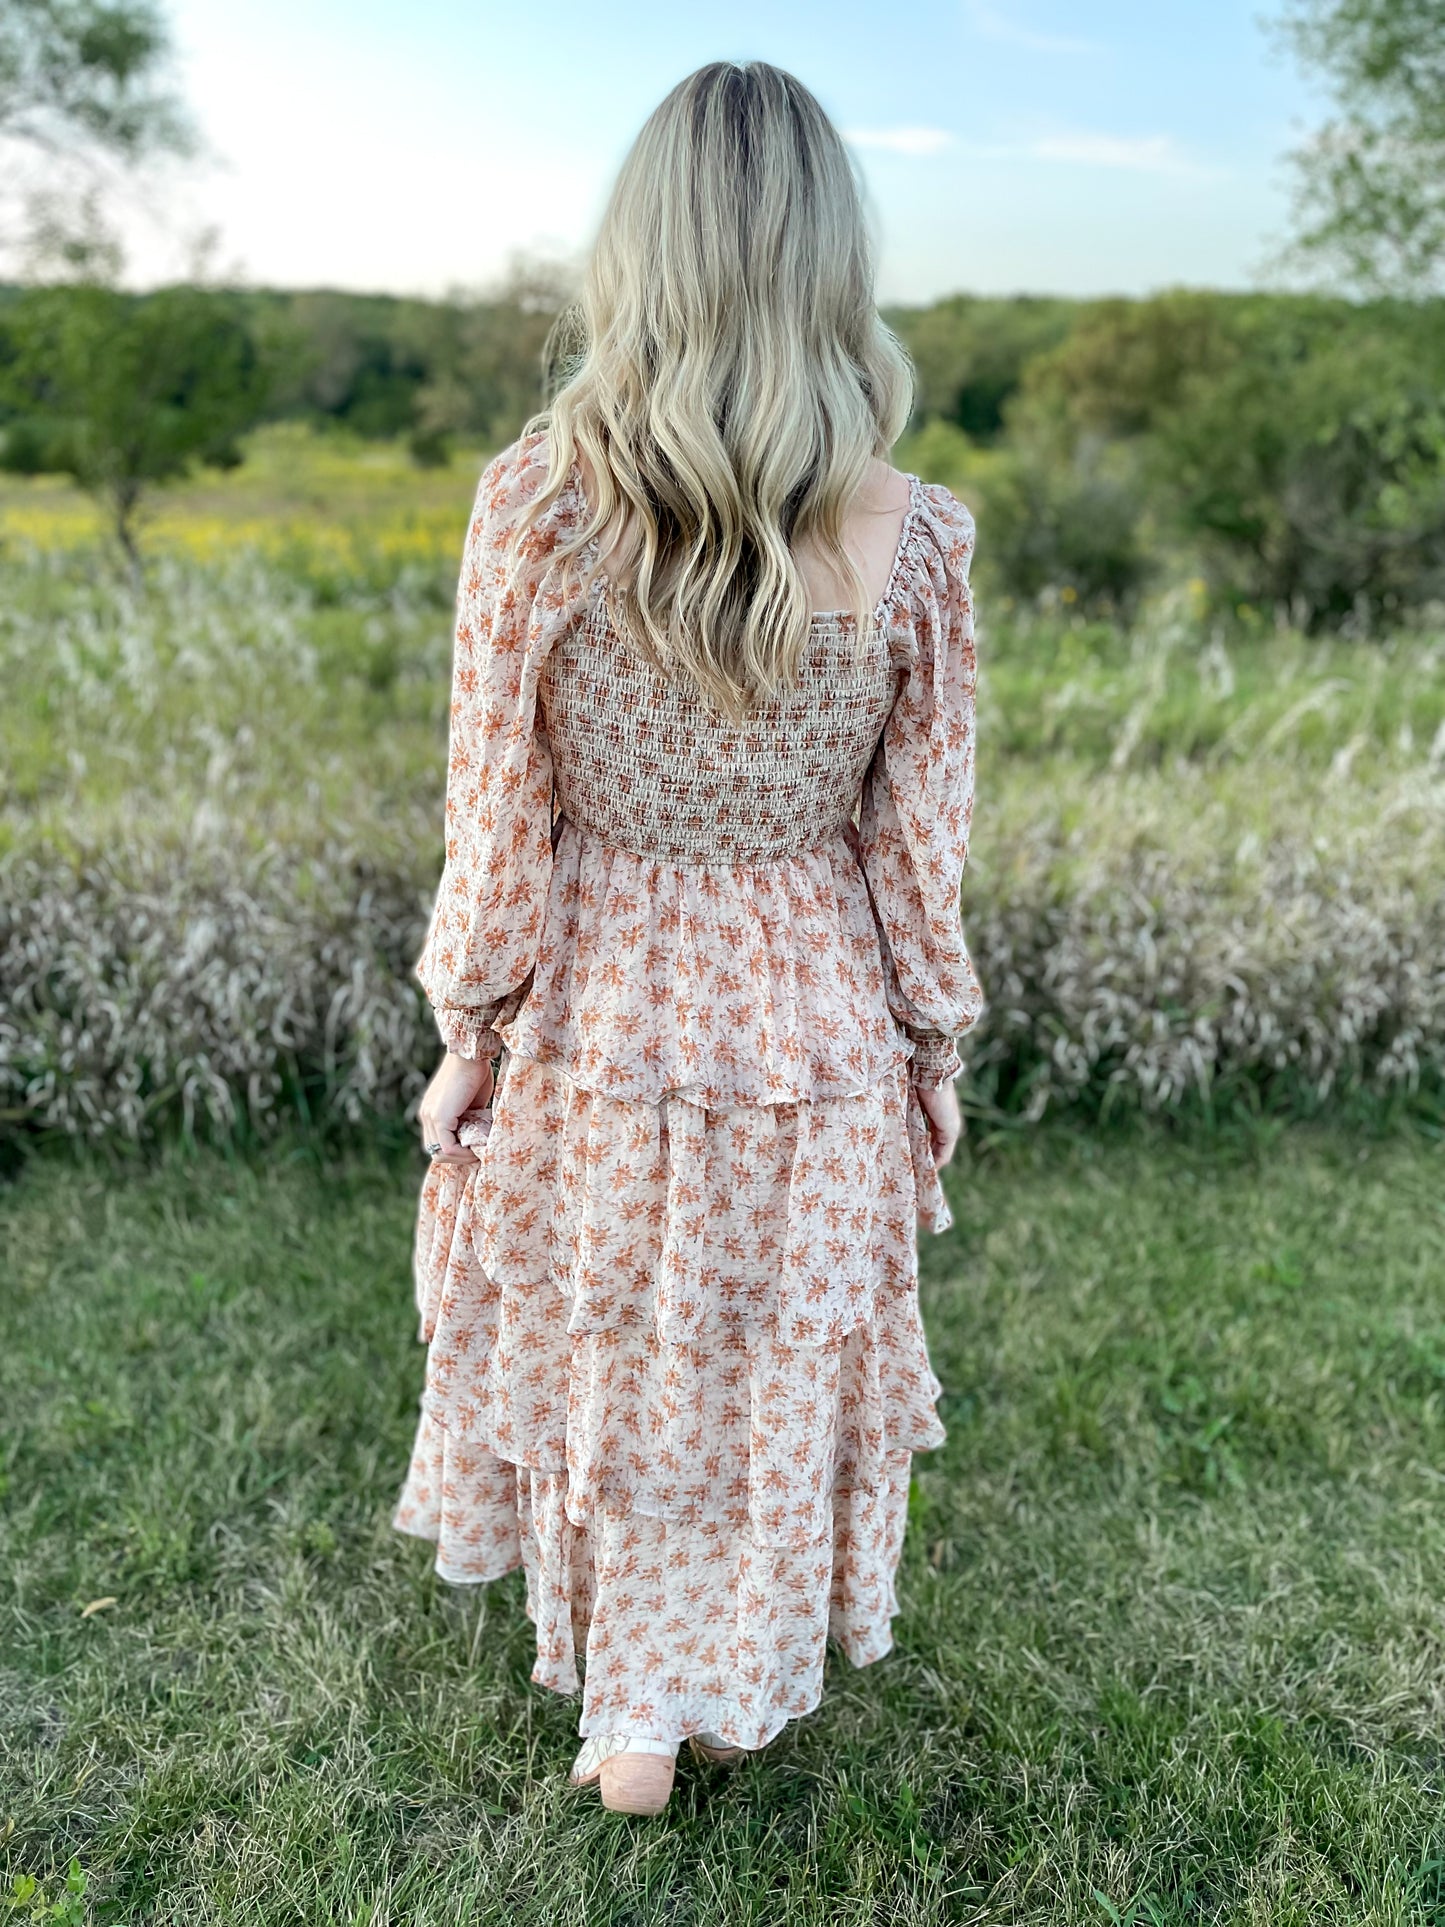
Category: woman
<point>707,809</point>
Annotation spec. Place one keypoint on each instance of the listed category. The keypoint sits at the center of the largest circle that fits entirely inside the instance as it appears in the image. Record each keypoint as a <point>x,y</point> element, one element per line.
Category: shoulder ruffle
<point>536,584</point>
<point>934,556</point>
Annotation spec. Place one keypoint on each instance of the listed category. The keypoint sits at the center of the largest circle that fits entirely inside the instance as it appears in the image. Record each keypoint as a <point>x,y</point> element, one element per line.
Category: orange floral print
<point>675,1365</point>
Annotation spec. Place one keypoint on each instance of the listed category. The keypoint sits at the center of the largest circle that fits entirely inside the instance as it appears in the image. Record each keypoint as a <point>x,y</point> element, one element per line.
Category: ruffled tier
<point>742,1432</point>
<point>700,1316</point>
<point>792,1217</point>
<point>676,1369</point>
<point>725,984</point>
<point>685,1628</point>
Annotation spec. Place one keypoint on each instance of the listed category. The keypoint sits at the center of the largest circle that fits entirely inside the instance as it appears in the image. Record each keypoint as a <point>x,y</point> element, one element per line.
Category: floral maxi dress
<point>675,1366</point>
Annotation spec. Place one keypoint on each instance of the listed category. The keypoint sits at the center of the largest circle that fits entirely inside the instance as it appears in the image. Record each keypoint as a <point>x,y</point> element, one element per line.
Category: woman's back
<point>646,762</point>
<point>706,822</point>
<point>872,534</point>
<point>664,901</point>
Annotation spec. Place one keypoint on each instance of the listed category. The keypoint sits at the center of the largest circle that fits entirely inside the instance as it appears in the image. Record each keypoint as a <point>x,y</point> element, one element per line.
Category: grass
<point>1172,1646</point>
<point>261,679</point>
<point>331,506</point>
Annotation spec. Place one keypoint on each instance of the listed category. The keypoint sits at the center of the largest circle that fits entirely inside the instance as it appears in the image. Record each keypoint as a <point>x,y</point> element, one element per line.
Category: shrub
<point>204,984</point>
<point>1297,445</point>
<point>1313,470</point>
<point>1073,529</point>
<point>145,985</point>
<point>1069,525</point>
<point>1271,973</point>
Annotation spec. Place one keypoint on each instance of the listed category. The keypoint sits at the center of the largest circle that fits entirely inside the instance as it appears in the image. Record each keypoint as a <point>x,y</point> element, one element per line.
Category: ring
<point>431,1149</point>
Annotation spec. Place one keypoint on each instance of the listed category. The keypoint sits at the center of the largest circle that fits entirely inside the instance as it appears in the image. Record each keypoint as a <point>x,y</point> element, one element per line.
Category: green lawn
<point>1172,1645</point>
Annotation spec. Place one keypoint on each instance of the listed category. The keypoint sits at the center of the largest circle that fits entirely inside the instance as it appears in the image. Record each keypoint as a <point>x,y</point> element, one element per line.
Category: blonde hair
<point>736,379</point>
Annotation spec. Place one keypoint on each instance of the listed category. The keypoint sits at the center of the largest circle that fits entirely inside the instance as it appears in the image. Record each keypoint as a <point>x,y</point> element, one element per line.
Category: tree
<point>969,353</point>
<point>486,355</point>
<point>1293,445</point>
<point>80,85</point>
<point>1311,467</point>
<point>83,74</point>
<point>1371,198</point>
<point>1123,362</point>
<point>123,391</point>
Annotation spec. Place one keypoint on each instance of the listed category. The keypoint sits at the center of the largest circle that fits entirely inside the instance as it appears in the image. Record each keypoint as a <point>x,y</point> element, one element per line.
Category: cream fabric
<point>675,1366</point>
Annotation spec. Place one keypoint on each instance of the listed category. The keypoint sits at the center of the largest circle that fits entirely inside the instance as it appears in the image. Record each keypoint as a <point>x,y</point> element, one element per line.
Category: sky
<point>415,146</point>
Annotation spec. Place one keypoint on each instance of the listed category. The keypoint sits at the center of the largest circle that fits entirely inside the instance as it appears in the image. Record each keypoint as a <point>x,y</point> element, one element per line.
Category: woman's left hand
<point>461,1084</point>
<point>945,1122</point>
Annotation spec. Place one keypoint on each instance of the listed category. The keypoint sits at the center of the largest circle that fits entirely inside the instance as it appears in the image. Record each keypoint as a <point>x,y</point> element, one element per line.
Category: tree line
<point>1288,448</point>
<point>124,391</point>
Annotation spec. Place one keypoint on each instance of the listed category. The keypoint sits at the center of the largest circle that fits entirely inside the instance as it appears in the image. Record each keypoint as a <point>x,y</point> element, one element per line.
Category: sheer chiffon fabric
<point>676,1370</point>
<point>695,1440</point>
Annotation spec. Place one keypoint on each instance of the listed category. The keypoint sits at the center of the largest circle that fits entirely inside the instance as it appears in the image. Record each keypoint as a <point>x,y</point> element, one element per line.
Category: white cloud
<point>1140,154</point>
<point>1080,147</point>
<point>997,26</point>
<point>900,140</point>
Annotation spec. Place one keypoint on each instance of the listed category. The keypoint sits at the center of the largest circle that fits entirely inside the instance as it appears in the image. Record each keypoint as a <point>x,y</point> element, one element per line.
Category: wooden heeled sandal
<point>631,1775</point>
<point>717,1751</point>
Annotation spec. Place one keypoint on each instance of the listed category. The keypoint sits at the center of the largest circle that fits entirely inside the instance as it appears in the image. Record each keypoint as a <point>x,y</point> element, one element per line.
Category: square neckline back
<point>818,617</point>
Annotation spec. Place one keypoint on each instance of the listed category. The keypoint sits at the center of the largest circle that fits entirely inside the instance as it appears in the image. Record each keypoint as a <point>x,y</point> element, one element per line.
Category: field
<point>345,555</point>
<point>1171,1638</point>
<point>1208,866</point>
<point>298,497</point>
<point>1170,1648</point>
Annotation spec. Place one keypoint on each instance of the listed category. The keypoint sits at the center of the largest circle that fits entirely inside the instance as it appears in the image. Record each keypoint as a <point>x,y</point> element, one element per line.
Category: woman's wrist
<point>489,1049</point>
<point>467,1032</point>
<point>935,1060</point>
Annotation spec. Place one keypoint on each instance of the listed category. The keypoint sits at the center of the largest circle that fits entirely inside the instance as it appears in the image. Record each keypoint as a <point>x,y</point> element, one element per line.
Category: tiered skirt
<point>676,1372</point>
<point>675,1366</point>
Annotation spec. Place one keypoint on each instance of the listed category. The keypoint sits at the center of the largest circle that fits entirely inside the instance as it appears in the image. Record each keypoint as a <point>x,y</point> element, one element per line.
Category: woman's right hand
<point>945,1121</point>
<point>461,1084</point>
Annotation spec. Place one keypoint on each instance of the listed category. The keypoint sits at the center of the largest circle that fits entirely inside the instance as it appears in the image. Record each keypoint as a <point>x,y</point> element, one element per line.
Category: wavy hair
<point>735,379</point>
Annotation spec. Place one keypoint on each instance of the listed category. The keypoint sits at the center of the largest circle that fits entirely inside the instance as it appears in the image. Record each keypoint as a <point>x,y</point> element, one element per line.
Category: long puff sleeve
<point>482,941</point>
<point>917,803</point>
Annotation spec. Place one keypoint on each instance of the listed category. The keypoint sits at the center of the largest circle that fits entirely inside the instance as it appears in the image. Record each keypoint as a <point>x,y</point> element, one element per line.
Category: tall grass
<point>1207,865</point>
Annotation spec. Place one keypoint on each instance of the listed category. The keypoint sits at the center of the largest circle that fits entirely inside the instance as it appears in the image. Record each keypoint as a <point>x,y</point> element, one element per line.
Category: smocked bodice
<point>644,763</point>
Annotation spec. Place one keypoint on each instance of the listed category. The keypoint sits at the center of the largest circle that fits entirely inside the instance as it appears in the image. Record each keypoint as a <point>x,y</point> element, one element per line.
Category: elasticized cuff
<point>935,1059</point>
<point>469,1032</point>
<point>474,1030</point>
